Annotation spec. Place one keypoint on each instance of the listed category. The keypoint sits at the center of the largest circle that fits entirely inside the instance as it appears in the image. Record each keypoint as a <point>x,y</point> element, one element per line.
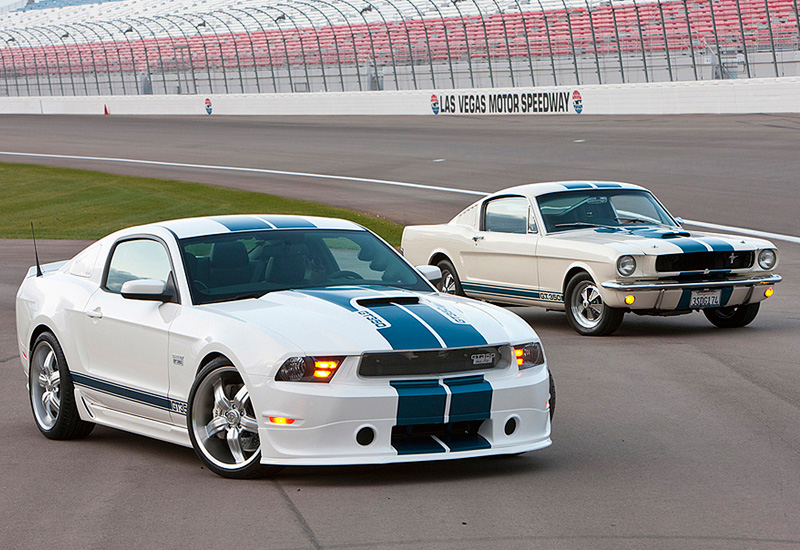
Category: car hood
<point>354,319</point>
<point>663,240</point>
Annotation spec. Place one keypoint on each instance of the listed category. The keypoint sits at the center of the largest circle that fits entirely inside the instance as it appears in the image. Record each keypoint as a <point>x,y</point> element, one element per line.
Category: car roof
<point>536,189</point>
<point>215,225</point>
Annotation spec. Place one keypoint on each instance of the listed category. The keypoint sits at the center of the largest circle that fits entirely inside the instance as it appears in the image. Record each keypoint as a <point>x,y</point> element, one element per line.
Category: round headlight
<point>626,265</point>
<point>767,258</point>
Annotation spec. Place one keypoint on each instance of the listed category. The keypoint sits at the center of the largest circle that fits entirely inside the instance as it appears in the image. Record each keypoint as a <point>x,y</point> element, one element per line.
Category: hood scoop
<point>675,234</point>
<point>387,300</point>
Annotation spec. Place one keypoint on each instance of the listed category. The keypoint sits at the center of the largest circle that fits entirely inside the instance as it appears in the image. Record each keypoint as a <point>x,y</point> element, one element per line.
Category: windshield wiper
<point>579,224</point>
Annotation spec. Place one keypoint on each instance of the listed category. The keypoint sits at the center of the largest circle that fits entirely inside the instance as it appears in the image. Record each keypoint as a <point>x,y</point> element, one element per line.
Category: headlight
<point>308,369</point>
<point>529,355</point>
<point>626,265</point>
<point>767,258</point>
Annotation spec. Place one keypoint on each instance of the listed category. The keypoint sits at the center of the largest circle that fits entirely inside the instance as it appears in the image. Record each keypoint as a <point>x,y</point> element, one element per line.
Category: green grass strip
<point>79,204</point>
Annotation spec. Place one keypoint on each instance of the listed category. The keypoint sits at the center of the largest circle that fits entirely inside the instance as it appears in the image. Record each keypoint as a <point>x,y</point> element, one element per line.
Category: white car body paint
<point>134,361</point>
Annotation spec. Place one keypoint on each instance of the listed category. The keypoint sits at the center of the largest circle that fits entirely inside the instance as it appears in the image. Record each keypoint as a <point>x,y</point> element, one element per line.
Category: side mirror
<point>430,272</point>
<point>680,221</point>
<point>146,289</point>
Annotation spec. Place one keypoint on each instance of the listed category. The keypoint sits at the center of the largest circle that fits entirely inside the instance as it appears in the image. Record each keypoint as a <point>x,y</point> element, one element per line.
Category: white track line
<point>251,170</point>
<point>753,232</point>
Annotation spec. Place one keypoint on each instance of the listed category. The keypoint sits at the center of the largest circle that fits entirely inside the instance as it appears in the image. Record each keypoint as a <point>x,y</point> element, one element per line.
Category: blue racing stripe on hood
<point>454,334</point>
<point>718,245</point>
<point>688,245</point>
<point>402,330</point>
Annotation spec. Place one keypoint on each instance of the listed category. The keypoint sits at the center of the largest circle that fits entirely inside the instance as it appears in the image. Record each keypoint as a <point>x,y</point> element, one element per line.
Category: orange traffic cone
<point>105,109</point>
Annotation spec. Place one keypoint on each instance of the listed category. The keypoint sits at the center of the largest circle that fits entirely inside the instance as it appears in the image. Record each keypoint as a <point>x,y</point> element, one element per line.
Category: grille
<point>430,362</point>
<point>700,261</point>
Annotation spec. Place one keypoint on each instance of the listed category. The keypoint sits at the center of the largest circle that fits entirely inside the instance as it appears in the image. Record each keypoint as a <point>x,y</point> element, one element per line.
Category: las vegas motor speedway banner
<point>763,95</point>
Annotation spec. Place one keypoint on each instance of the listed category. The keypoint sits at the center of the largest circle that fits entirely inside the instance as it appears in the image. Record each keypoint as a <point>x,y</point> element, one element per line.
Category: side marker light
<point>281,420</point>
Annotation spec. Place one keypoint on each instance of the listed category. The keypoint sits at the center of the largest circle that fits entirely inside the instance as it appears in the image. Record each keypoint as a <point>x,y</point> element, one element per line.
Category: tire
<point>552,397</point>
<point>52,393</point>
<point>449,283</point>
<point>732,317</point>
<point>586,311</point>
<point>219,405</point>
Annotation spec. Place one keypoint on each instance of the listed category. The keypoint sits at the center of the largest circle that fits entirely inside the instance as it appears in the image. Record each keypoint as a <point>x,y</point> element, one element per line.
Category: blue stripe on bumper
<point>471,398</point>
<point>420,402</point>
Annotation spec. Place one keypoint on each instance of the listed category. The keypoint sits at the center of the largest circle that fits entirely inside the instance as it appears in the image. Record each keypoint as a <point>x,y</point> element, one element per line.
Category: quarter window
<point>137,259</point>
<point>506,215</point>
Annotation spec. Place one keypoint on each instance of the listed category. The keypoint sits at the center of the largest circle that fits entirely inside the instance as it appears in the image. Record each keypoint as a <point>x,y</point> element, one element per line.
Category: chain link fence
<point>299,46</point>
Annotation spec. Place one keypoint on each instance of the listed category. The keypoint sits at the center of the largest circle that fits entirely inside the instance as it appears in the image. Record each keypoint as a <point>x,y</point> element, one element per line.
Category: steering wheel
<point>345,275</point>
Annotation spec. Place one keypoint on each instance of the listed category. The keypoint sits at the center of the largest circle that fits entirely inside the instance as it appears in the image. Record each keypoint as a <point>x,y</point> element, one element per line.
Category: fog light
<point>629,299</point>
<point>511,426</point>
<point>769,292</point>
<point>281,420</point>
<point>365,436</point>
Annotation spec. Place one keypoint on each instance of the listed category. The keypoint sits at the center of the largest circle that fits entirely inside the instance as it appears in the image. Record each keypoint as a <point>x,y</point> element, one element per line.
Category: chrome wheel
<point>45,385</point>
<point>587,305</point>
<point>222,420</point>
<point>448,285</point>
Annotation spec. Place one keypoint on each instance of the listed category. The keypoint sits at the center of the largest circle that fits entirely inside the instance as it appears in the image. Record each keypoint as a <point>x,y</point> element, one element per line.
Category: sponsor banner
<point>511,103</point>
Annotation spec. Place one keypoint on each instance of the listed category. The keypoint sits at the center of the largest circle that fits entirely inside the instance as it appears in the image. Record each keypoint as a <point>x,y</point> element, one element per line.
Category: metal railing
<point>352,45</point>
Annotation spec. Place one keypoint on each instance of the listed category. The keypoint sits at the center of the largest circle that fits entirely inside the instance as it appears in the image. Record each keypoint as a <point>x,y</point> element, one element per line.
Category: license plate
<point>705,298</point>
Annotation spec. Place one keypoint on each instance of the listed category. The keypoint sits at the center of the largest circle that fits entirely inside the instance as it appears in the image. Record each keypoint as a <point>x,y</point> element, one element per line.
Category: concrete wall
<point>763,95</point>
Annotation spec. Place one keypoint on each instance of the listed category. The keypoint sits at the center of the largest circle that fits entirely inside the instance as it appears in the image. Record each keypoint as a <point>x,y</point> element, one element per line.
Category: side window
<point>137,259</point>
<point>506,215</point>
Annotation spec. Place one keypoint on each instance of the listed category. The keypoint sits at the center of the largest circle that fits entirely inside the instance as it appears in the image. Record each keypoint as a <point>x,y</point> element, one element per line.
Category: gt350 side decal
<point>150,399</point>
<point>544,296</point>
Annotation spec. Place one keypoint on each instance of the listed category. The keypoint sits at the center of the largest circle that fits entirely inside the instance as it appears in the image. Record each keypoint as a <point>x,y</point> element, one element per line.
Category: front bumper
<point>674,295</point>
<point>405,423</point>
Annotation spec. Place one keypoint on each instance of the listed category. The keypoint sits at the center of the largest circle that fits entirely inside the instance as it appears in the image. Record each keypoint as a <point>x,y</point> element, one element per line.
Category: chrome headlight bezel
<point>626,265</point>
<point>767,258</point>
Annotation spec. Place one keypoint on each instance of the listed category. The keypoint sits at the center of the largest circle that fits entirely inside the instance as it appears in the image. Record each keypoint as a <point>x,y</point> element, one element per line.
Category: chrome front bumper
<point>677,285</point>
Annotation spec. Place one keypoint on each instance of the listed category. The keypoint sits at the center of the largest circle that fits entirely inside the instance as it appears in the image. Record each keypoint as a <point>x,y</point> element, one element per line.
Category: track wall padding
<point>764,95</point>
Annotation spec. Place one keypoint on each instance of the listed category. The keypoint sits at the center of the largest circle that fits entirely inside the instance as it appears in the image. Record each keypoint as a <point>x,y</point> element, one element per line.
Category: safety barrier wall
<point>764,95</point>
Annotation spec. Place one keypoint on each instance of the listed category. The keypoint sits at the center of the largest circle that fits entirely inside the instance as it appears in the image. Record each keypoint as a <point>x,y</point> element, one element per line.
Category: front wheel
<point>586,311</point>
<point>51,392</point>
<point>733,316</point>
<point>449,283</point>
<point>222,423</point>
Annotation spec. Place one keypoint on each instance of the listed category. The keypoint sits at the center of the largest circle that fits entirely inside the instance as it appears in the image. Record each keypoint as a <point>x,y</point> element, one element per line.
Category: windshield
<point>250,264</point>
<point>578,209</point>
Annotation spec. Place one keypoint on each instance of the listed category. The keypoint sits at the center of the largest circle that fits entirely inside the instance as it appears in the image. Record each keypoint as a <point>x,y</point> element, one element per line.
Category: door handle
<point>95,313</point>
<point>477,238</point>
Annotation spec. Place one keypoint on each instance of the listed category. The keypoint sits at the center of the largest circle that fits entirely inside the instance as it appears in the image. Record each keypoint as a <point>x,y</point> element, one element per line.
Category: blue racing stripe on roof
<point>606,185</point>
<point>455,335</point>
<point>242,223</point>
<point>288,222</point>
<point>577,185</point>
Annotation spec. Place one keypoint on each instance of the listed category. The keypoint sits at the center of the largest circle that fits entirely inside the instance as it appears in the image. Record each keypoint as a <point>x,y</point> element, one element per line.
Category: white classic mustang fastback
<point>595,250</point>
<point>266,341</point>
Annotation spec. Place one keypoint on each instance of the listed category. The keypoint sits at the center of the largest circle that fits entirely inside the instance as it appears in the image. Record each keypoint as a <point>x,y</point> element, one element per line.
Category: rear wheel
<point>732,317</point>
<point>222,423</point>
<point>586,311</point>
<point>449,283</point>
<point>52,393</point>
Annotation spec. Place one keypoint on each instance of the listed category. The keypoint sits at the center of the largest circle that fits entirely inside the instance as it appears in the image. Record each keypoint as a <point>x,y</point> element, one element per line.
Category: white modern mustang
<point>266,341</point>
<point>595,250</point>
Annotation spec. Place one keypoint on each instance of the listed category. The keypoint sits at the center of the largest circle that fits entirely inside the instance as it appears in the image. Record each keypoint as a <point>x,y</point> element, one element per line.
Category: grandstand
<point>83,47</point>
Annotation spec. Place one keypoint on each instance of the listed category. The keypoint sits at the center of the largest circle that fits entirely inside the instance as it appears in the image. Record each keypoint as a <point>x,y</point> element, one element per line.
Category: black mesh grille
<point>700,261</point>
<point>429,362</point>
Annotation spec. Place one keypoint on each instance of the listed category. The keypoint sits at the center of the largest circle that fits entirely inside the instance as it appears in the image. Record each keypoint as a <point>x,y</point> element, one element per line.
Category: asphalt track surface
<point>669,434</point>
